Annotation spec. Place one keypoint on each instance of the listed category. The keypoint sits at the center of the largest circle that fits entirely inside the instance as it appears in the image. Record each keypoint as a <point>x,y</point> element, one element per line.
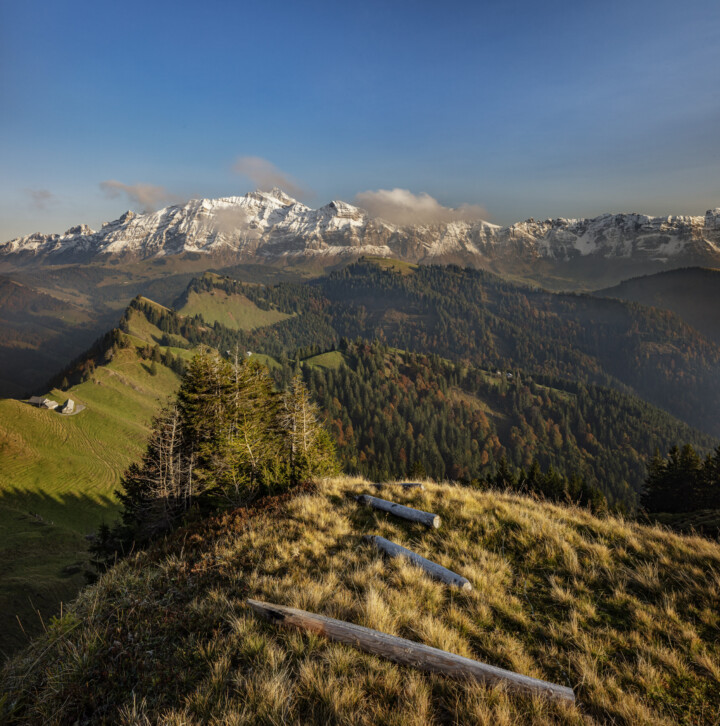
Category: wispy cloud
<point>147,196</point>
<point>401,206</point>
<point>40,198</point>
<point>265,175</point>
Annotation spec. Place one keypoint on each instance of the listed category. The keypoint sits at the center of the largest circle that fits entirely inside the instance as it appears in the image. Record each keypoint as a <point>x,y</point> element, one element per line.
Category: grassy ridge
<point>57,476</point>
<point>625,614</point>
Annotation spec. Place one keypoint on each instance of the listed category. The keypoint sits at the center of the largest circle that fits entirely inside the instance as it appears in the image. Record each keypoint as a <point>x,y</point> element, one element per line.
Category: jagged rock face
<point>266,226</point>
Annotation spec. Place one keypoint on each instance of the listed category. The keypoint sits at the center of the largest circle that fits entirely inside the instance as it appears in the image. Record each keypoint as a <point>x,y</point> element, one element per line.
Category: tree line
<point>682,482</point>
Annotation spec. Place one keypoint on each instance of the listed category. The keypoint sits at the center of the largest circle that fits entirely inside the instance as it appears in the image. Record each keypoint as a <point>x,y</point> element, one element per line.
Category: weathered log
<point>407,652</point>
<point>403,484</point>
<point>414,515</point>
<point>437,571</point>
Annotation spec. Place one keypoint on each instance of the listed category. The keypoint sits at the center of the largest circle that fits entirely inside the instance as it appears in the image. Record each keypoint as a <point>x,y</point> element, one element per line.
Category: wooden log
<point>437,571</point>
<point>403,484</point>
<point>407,652</point>
<point>399,510</point>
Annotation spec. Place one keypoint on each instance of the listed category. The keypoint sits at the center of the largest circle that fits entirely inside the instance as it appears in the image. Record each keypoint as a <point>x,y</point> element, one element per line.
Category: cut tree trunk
<point>399,510</point>
<point>407,652</point>
<point>437,571</point>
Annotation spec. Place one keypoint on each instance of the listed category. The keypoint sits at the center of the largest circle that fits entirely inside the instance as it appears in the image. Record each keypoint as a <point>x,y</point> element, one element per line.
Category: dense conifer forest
<point>684,482</point>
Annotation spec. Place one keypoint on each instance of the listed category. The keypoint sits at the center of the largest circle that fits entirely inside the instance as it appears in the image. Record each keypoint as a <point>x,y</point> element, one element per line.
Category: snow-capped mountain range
<point>271,226</point>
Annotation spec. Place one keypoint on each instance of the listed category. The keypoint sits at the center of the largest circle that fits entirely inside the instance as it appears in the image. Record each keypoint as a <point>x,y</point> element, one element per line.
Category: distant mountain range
<point>271,226</point>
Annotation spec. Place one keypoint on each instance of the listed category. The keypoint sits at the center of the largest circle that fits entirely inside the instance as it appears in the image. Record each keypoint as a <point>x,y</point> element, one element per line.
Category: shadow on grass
<point>79,511</point>
<point>43,557</point>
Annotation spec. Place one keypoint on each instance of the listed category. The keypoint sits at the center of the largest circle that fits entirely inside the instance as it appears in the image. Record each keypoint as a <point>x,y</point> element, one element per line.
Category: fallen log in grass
<point>399,510</point>
<point>407,652</point>
<point>437,571</point>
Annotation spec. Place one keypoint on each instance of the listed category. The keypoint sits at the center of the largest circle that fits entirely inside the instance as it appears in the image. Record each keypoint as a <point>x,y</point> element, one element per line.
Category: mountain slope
<point>38,334</point>
<point>62,470</point>
<point>626,615</point>
<point>393,414</point>
<point>58,474</point>
<point>270,226</point>
<point>691,294</point>
<point>475,316</point>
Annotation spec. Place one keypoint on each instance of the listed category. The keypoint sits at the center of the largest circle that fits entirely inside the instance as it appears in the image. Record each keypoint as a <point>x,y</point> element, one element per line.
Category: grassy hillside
<point>626,615</point>
<point>232,310</point>
<point>57,477</point>
<point>331,360</point>
<point>690,293</point>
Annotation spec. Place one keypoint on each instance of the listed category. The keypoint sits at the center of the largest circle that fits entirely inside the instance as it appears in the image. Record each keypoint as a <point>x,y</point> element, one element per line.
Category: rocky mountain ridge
<point>270,226</point>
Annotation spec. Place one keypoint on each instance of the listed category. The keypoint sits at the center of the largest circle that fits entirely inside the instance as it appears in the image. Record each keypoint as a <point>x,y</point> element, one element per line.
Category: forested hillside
<point>507,400</point>
<point>399,414</point>
<point>478,317</point>
<point>396,414</point>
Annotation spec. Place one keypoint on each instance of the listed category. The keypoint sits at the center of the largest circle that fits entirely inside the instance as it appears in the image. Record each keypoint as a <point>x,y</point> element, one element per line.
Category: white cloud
<point>231,221</point>
<point>148,196</point>
<point>265,175</point>
<point>402,207</point>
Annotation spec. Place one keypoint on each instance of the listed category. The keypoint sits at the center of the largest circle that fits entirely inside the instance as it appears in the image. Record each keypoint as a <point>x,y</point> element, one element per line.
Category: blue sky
<point>538,109</point>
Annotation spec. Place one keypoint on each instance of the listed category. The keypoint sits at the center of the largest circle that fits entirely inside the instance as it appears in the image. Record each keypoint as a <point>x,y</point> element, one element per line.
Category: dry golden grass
<point>625,614</point>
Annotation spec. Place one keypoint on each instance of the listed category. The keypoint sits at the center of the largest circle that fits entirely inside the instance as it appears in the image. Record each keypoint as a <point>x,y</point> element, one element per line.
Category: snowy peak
<point>342,209</point>
<point>267,225</point>
<point>280,196</point>
<point>79,230</point>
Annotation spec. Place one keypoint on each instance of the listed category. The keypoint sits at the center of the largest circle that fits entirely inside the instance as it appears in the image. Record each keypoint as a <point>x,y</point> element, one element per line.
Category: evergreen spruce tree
<point>247,456</point>
<point>308,449</point>
<point>160,487</point>
<point>673,485</point>
<point>203,406</point>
